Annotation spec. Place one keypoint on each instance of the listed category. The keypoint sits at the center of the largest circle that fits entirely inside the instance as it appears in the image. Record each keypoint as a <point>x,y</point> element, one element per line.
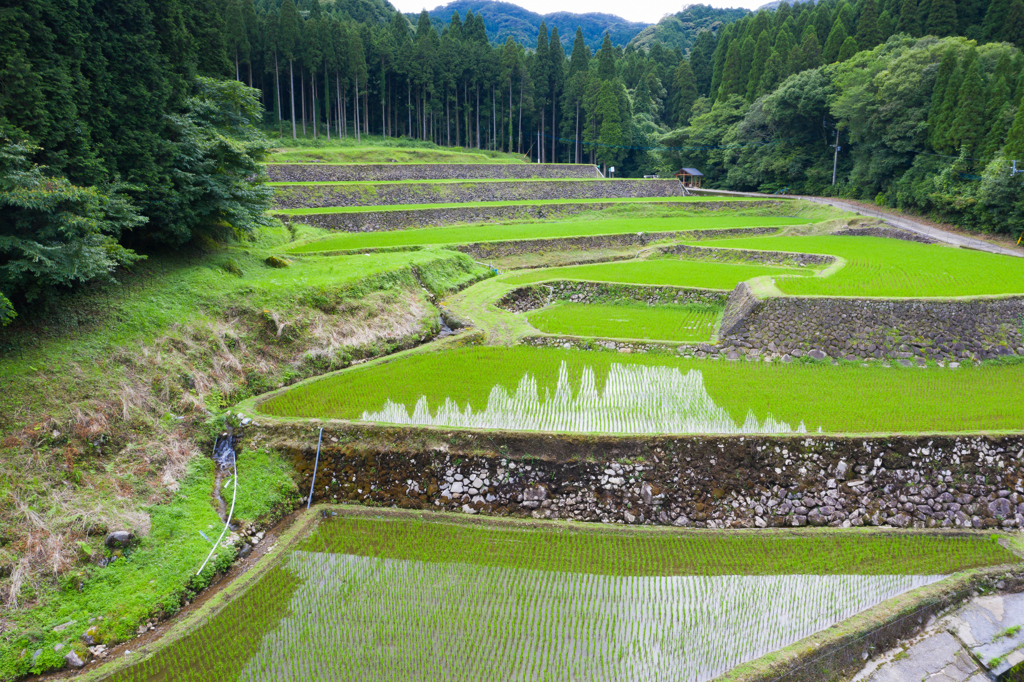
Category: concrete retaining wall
<point>391,172</point>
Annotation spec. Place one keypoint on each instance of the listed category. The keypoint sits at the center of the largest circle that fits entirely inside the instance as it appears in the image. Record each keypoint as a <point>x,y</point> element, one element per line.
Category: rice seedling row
<point>424,599</point>
<point>626,321</point>
<point>660,271</point>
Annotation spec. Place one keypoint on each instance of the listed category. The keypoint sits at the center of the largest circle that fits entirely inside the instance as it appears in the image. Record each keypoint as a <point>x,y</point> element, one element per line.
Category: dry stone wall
<point>322,196</point>
<point>486,250</point>
<point>377,221</point>
<point>902,331</point>
<point>705,482</point>
<point>779,258</point>
<point>537,296</point>
<point>393,172</point>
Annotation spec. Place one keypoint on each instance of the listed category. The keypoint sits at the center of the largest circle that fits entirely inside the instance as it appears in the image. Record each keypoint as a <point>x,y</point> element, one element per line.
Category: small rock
<point>466,509</point>
<point>64,626</point>
<point>73,660</point>
<point>119,538</point>
<point>629,517</point>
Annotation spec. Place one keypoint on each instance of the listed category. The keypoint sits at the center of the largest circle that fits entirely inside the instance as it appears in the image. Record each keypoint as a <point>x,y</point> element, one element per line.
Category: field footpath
<point>898,221</point>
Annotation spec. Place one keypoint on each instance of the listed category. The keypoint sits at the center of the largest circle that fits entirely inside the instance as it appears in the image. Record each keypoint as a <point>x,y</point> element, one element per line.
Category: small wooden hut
<point>690,177</point>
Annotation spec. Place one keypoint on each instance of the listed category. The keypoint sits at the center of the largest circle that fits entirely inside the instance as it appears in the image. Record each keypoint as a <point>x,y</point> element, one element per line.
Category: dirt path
<point>898,221</point>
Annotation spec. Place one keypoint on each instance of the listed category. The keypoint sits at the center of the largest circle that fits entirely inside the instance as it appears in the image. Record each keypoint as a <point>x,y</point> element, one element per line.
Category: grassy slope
<point>151,578</point>
<point>839,399</point>
<point>105,404</point>
<point>623,321</point>
<point>463,234</point>
<point>891,267</point>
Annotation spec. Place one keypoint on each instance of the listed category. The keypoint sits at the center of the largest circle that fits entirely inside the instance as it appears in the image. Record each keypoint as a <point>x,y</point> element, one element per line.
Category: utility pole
<point>835,158</point>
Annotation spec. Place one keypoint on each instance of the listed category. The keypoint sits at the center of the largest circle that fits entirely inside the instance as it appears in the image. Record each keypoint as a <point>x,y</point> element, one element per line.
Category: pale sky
<point>649,11</point>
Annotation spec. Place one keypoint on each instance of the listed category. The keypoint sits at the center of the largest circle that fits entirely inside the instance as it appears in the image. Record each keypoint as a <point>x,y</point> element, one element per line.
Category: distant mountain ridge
<point>681,29</point>
<point>503,19</point>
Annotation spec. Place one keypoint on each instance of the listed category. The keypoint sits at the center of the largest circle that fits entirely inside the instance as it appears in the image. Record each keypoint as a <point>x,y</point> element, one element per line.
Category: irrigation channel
<point>393,596</point>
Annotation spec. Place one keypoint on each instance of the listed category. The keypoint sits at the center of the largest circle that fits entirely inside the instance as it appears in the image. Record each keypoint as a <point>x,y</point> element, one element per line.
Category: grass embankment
<point>465,234</point>
<point>501,602</point>
<point>150,579</point>
<point>106,401</point>
<point>837,398</point>
<point>628,321</point>
<point>659,271</point>
<point>628,201</point>
<point>877,267</point>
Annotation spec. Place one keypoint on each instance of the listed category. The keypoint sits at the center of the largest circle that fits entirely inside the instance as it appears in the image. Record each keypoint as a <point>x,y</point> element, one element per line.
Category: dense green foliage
<point>680,30</point>
<point>117,135</point>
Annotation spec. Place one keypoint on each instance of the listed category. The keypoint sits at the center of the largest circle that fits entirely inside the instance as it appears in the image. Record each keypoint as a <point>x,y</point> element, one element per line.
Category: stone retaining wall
<point>707,482</point>
<point>537,296</point>
<point>376,221</point>
<point>726,255</point>
<point>885,232</point>
<point>393,172</point>
<point>488,250</point>
<point>321,196</point>
<point>904,331</point>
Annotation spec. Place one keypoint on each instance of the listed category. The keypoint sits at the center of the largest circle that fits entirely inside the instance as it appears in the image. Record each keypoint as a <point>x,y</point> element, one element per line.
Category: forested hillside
<point>125,127</point>
<point>679,30</point>
<point>504,20</point>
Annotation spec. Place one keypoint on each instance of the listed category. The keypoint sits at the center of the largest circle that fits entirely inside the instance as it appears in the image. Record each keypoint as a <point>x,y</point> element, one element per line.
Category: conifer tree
<point>775,72</point>
<point>252,32</point>
<point>1014,28</point>
<point>835,41</point>
<point>762,52</point>
<point>290,34</point>
<point>968,128</point>
<point>944,100</point>
<point>732,73</point>
<point>1014,149</point>
<point>725,40</point>
<point>848,49</point>
<point>868,34</point>
<point>995,20</point>
<point>942,18</point>
<point>999,116</point>
<point>686,93</point>
<point>701,56</point>
<point>909,21</point>
<point>606,59</point>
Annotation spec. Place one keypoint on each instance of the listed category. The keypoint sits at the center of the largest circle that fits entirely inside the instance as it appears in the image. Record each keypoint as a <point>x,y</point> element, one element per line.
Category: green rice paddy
<point>893,268</point>
<point>624,321</point>
<point>836,399</point>
<point>626,201</point>
<point>463,234</point>
<point>659,271</point>
<point>401,598</point>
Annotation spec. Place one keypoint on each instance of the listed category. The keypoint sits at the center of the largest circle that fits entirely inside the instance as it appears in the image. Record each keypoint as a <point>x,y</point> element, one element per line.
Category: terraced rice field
<point>621,203</point>
<point>541,389</point>
<point>465,234</point>
<point>400,598</point>
<point>659,271</point>
<point>389,154</point>
<point>890,267</point>
<point>623,321</point>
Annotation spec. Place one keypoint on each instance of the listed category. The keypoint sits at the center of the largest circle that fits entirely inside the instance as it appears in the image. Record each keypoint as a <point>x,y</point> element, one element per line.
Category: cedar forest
<point>136,125</point>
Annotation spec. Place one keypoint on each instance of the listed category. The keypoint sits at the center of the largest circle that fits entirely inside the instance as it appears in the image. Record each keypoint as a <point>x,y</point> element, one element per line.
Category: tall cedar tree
<point>290,35</point>
<point>909,20</point>
<point>868,34</point>
<point>686,93</point>
<point>701,62</point>
<point>835,41</point>
<point>947,84</point>
<point>762,52</point>
<point>606,59</point>
<point>968,131</point>
<point>942,18</point>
